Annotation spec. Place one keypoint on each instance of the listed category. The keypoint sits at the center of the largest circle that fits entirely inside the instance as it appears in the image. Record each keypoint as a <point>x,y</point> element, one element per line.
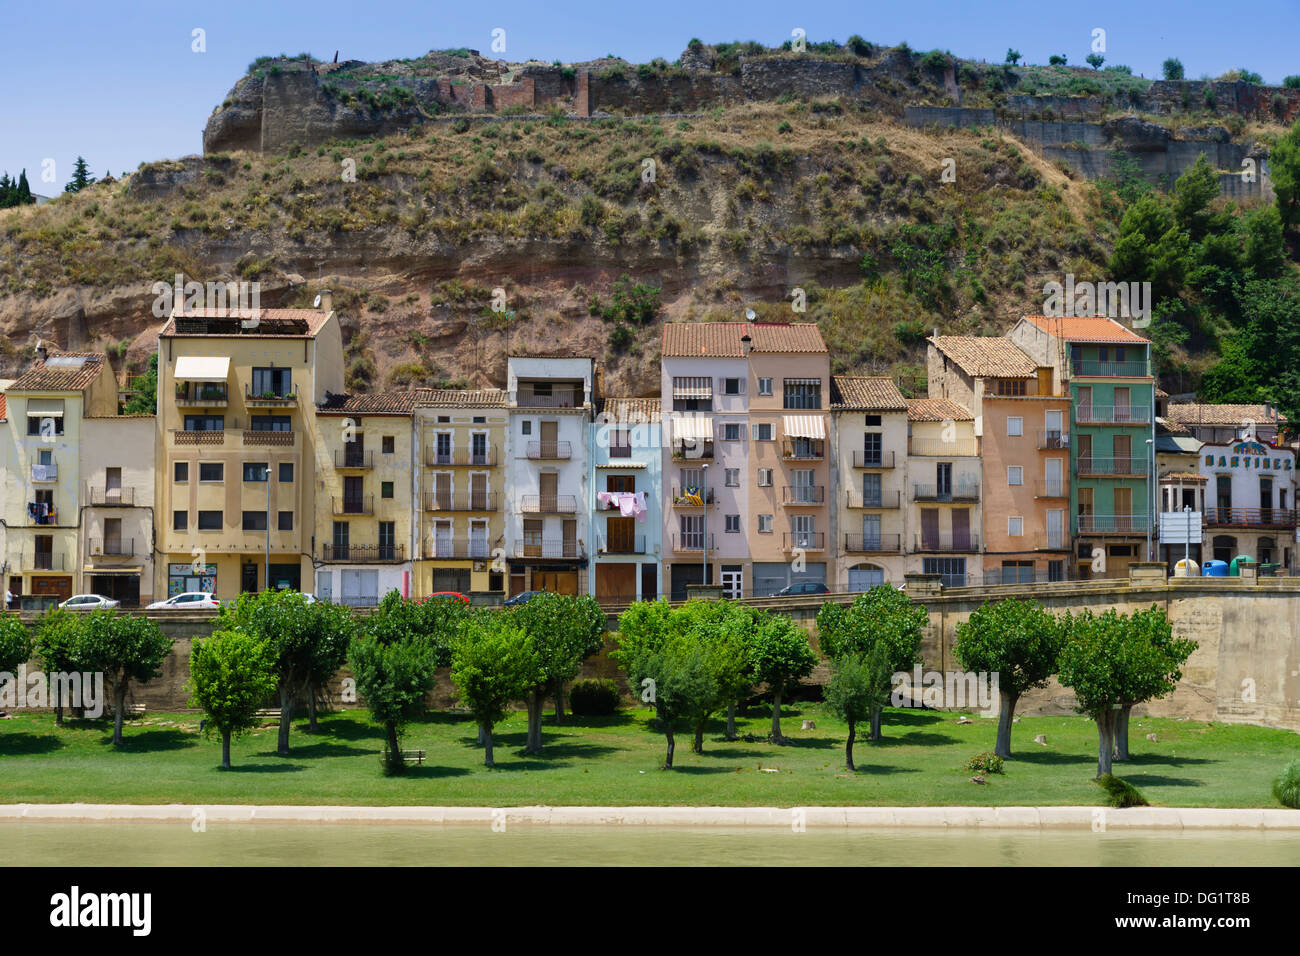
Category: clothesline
<point>628,503</point>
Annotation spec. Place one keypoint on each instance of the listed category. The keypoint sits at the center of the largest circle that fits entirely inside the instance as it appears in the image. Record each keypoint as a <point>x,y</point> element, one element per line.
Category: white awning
<point>45,407</point>
<point>805,426</point>
<point>203,368</point>
<point>693,427</point>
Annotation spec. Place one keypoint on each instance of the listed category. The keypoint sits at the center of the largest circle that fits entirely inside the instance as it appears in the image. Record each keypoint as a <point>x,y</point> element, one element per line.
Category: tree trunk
<point>559,703</point>
<point>119,705</point>
<point>394,747</point>
<point>848,751</point>
<point>776,716</point>
<point>534,703</point>
<point>697,745</point>
<point>482,735</point>
<point>58,712</point>
<point>731,721</point>
<point>1121,731</point>
<point>1106,740</point>
<point>287,700</point>
<point>312,726</point>
<point>875,734</point>
<point>487,747</point>
<point>1003,748</point>
<point>225,750</point>
<point>668,759</point>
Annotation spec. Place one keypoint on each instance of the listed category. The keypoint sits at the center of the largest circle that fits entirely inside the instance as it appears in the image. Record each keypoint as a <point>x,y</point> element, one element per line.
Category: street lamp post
<point>1151,505</point>
<point>704,543</point>
<point>266,474</point>
<point>1187,540</point>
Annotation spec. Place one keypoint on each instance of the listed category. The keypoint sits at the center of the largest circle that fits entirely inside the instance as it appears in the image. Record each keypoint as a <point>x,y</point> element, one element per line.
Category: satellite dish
<point>316,303</point>
<point>749,314</point>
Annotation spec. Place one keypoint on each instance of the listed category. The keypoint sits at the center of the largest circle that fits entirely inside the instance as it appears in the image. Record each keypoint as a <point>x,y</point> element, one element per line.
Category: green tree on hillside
<point>144,391</point>
<point>1172,69</point>
<point>1095,60</point>
<point>1013,56</point>
<point>1284,168</point>
<point>81,177</point>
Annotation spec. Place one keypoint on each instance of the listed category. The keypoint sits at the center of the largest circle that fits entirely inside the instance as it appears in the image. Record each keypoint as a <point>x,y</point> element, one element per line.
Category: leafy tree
<point>859,687</point>
<point>879,615</point>
<point>1249,76</point>
<point>144,395</point>
<point>1194,191</point>
<point>15,643</point>
<point>395,668</point>
<point>1172,69</point>
<point>1151,248</point>
<point>231,674</point>
<point>1057,59</point>
<point>670,672</point>
<point>124,648</point>
<point>1284,168</point>
<point>333,627</point>
<point>494,662</point>
<point>1264,254</point>
<point>1013,56</point>
<point>15,192</point>
<point>81,177</point>
<point>724,632</point>
<point>1018,641</point>
<point>57,635</point>
<point>1095,60</point>
<point>1156,670</point>
<point>779,657</point>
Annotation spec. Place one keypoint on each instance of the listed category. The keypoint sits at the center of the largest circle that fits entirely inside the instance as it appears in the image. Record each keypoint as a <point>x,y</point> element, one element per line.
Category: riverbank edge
<point>1020,818</point>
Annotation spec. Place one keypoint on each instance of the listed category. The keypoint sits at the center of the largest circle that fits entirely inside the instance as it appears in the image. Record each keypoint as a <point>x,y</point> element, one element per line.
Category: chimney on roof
<point>326,300</point>
<point>41,351</point>
<point>746,343</point>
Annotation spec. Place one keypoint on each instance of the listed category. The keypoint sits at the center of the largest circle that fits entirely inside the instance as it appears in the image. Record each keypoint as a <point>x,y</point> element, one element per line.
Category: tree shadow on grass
<point>429,772</point>
<point>560,754</point>
<point>152,740</point>
<point>910,718</point>
<point>807,743</point>
<point>22,744</point>
<point>1140,779</point>
<point>320,749</point>
<point>917,738</point>
<point>1050,758</point>
<point>264,767</point>
<point>1168,760</point>
<point>344,728</point>
<point>878,769</point>
<point>701,770</point>
<point>621,719</point>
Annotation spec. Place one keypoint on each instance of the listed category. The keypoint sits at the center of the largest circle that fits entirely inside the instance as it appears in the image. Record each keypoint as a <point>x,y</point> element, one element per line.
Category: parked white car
<point>189,601</point>
<point>88,602</point>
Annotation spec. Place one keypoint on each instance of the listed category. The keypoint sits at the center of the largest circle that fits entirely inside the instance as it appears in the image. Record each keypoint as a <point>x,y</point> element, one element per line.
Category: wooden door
<point>550,436</point>
<point>929,528</point>
<point>549,485</point>
<point>1084,444</point>
<point>1123,498</point>
<point>961,529</point>
<point>616,583</point>
<point>1123,446</point>
<point>620,535</point>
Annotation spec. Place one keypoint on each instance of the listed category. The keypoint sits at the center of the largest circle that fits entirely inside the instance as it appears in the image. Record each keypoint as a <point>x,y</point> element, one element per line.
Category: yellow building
<point>462,498</point>
<point>236,477</point>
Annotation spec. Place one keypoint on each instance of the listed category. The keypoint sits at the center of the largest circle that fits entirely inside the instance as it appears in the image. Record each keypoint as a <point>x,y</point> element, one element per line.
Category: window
<point>1015,426</point>
<point>620,443</point>
<point>286,471</point>
<point>732,524</point>
<point>873,421</point>
<point>181,471</point>
<point>763,431</point>
<point>480,420</point>
<point>285,521</point>
<point>271,381</point>
<point>211,471</point>
<point>951,571</point>
<point>385,489</point>
<point>205,423</point>
<point>525,427</point>
<point>765,386</point>
<point>765,477</point>
<point>55,423</point>
<point>803,393</point>
<point>733,386</point>
<point>692,393</point>
<point>731,431</point>
<point>1015,526</point>
<point>270,423</point>
<point>256,471</point>
<point>1015,474</point>
<point>446,419</point>
<point>254,520</point>
<point>1010,386</point>
<point>180,520</point>
<point>386,444</point>
<point>731,477</point>
<point>209,520</point>
<point>764,524</point>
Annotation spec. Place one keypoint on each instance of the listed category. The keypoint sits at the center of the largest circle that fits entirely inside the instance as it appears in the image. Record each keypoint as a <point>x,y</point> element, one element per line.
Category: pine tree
<point>6,191</point>
<point>81,177</point>
<point>25,197</point>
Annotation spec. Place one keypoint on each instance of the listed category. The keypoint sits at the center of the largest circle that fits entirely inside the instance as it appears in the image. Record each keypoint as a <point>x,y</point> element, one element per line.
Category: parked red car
<point>449,595</point>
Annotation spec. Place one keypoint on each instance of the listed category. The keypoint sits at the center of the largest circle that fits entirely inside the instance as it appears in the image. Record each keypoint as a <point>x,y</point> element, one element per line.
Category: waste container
<point>1268,570</point>
<point>1187,568</point>
<point>1215,569</point>
<point>1234,569</point>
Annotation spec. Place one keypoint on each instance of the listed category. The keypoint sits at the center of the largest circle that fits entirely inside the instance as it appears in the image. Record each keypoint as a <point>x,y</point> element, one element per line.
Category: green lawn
<point>616,760</point>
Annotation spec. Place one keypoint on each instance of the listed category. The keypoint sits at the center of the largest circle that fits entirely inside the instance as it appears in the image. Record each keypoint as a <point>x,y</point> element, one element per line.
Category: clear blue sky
<point>119,84</point>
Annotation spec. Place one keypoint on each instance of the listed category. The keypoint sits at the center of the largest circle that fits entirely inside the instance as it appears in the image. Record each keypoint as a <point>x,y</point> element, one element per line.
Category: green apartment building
<point>1107,369</point>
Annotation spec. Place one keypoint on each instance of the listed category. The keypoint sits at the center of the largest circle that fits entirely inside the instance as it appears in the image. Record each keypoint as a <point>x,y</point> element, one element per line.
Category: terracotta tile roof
<point>1223,414</point>
<point>1086,329</point>
<point>313,318</point>
<point>395,402</point>
<point>44,377</point>
<point>866,393</point>
<point>1161,393</point>
<point>985,355</point>
<point>464,397</point>
<point>630,409</point>
<point>722,339</point>
<point>936,410</point>
<point>1171,426</point>
<point>2,406</point>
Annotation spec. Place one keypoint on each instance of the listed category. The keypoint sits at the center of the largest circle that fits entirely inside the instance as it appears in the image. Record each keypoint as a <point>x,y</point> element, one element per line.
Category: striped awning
<point>203,368</point>
<point>804,426</point>
<point>693,428</point>
<point>45,407</point>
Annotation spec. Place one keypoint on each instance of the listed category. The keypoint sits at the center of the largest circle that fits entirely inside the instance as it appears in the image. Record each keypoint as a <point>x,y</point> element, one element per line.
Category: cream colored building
<point>236,434</point>
<point>116,554</point>
<point>868,470</point>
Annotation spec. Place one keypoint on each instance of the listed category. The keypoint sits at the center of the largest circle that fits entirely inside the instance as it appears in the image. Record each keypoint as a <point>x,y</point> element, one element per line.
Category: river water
<point>161,844</point>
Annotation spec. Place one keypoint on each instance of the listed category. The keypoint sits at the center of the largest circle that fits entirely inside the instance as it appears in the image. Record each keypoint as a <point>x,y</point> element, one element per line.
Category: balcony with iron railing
<point>693,451</point>
<point>486,458</point>
<point>358,505</point>
<point>112,497</point>
<point>692,541</point>
<point>1112,415</point>
<point>549,548</point>
<point>269,398</point>
<point>549,450</point>
<point>1054,488</point>
<point>875,459</point>
<point>548,504</point>
<point>557,396</point>
<point>1052,439</point>
<point>1091,368</point>
<point>962,491</point>
<point>621,544</point>
<point>203,394</point>
<point>112,548</point>
<point>812,449</point>
<point>43,561</point>
<point>464,501</point>
<point>252,437</point>
<point>687,499</point>
<point>460,549</point>
<point>349,458</point>
<point>938,448</point>
<point>803,495</point>
<point>1251,517</point>
<point>885,499</point>
<point>872,544</point>
<point>1112,467</point>
<point>955,541</point>
<point>363,553</point>
<point>1111,524</point>
<point>803,540</point>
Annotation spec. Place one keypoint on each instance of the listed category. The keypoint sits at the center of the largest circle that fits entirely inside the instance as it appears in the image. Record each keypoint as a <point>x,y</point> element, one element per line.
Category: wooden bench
<point>268,713</point>
<point>409,756</point>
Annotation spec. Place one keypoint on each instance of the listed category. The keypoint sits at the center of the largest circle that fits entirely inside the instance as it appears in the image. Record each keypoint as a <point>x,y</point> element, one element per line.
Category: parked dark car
<point>523,598</point>
<point>804,587</point>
